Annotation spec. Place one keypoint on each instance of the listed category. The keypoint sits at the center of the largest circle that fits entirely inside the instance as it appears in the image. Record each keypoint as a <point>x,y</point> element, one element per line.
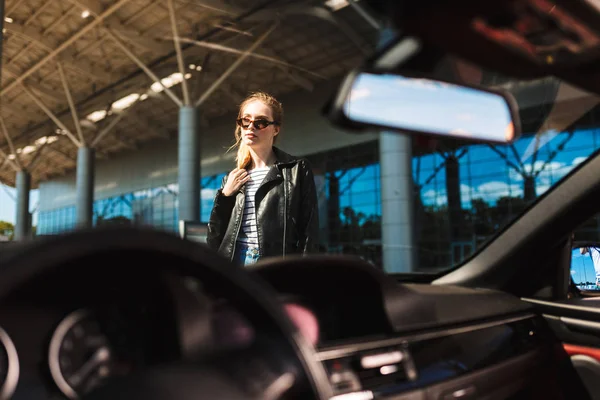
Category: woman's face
<point>252,135</point>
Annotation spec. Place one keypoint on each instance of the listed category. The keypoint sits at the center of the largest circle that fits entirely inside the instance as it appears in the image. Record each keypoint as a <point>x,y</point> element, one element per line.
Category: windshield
<point>405,204</point>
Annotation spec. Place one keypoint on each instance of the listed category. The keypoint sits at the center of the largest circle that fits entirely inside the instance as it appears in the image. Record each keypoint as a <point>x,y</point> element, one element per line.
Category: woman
<point>267,206</point>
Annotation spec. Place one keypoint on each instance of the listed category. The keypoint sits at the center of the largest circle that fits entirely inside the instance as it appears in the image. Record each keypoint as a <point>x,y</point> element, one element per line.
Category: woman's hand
<point>235,180</point>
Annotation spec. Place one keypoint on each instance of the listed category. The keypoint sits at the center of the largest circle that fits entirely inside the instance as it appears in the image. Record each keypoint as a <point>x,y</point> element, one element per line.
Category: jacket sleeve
<point>219,217</point>
<point>309,210</point>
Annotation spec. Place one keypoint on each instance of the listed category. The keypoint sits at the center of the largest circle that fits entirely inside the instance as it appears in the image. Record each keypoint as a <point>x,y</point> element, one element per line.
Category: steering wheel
<point>282,366</point>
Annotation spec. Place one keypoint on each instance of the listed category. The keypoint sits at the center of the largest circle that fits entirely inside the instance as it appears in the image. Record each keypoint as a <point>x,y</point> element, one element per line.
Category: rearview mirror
<point>585,266</point>
<point>426,106</point>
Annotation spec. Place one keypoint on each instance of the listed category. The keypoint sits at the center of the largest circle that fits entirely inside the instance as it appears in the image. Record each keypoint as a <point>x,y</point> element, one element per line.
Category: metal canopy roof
<point>103,57</point>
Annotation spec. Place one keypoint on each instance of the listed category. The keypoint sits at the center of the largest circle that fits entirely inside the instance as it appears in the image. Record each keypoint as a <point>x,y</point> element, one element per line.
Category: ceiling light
<point>45,140</point>
<point>192,66</point>
<point>85,14</point>
<point>335,5</point>
<point>125,102</point>
<point>188,76</point>
<point>167,82</point>
<point>28,149</point>
<point>8,19</point>
<point>86,123</point>
<point>96,116</point>
<point>143,97</point>
<point>199,68</point>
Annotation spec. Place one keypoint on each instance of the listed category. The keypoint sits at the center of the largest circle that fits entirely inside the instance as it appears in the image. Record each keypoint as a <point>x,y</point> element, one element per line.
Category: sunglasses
<point>260,123</point>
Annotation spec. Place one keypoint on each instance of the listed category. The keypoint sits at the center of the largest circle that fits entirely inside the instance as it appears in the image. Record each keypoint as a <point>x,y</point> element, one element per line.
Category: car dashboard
<point>380,339</point>
<point>491,359</point>
<point>62,335</point>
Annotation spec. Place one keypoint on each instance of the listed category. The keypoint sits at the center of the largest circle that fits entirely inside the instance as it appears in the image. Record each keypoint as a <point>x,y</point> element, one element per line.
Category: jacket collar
<point>283,158</point>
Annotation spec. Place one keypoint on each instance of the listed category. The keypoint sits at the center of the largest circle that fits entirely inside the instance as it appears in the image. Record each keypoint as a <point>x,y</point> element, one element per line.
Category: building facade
<point>463,193</point>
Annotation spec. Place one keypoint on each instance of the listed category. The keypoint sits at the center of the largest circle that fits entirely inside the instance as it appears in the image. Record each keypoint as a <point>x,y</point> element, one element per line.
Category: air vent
<point>372,371</point>
<point>385,367</point>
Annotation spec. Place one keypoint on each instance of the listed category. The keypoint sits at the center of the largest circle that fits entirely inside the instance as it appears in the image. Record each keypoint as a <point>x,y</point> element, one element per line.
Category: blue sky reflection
<point>429,106</point>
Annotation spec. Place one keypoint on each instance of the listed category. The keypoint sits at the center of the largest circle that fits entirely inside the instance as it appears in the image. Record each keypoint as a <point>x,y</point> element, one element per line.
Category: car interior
<point>183,322</point>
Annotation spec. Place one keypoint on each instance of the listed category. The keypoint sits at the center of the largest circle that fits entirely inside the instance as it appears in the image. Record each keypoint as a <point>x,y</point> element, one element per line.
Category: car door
<point>576,320</point>
<point>576,324</point>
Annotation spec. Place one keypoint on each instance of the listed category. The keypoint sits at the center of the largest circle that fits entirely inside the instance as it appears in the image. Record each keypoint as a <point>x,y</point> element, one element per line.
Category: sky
<point>582,267</point>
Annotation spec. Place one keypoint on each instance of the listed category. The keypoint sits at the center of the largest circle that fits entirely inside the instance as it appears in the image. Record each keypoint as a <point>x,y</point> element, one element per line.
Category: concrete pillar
<point>397,191</point>
<point>84,203</point>
<point>189,165</point>
<point>23,222</point>
<point>397,233</point>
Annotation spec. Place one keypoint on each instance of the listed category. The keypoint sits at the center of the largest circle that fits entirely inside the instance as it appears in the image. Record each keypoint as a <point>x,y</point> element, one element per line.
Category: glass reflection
<point>429,106</point>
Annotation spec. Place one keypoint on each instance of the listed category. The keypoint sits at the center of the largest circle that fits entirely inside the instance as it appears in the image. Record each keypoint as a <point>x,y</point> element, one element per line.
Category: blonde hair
<point>243,157</point>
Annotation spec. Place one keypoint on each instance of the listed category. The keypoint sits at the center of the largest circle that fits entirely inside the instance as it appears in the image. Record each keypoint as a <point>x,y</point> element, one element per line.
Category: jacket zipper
<point>239,226</point>
<point>285,196</point>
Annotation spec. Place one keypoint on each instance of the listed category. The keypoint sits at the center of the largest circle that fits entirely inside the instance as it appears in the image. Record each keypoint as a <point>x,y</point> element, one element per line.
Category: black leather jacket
<point>286,207</point>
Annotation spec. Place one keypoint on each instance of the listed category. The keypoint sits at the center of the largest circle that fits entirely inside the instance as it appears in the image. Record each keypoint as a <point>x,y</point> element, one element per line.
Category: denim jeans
<point>246,254</point>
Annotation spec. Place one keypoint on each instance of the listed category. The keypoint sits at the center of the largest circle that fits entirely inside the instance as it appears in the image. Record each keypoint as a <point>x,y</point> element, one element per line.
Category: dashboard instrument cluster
<point>82,354</point>
<point>9,365</point>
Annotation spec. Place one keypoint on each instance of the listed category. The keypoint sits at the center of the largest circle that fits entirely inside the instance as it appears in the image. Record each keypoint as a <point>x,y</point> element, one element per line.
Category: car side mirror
<point>585,266</point>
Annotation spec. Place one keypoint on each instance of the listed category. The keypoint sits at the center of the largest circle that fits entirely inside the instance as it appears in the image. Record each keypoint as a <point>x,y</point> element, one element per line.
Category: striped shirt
<point>248,234</point>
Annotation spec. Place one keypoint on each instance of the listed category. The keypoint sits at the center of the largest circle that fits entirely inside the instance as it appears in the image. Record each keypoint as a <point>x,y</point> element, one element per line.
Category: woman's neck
<point>262,157</point>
